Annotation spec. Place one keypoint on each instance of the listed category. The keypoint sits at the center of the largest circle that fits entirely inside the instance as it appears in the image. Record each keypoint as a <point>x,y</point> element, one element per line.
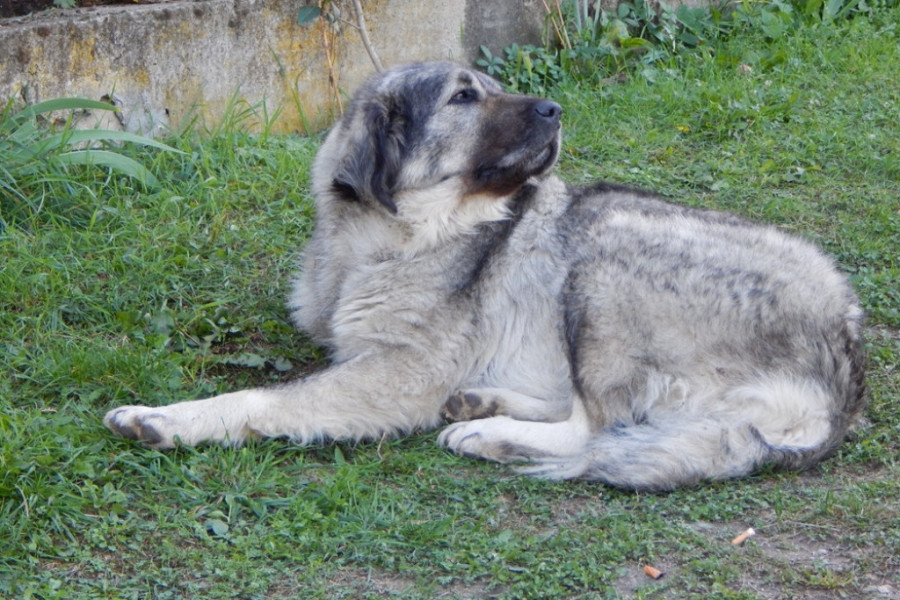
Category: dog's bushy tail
<point>789,418</point>
<point>778,421</point>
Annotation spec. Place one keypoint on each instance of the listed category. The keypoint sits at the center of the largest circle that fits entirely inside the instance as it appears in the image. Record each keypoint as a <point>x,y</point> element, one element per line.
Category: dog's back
<point>702,346</point>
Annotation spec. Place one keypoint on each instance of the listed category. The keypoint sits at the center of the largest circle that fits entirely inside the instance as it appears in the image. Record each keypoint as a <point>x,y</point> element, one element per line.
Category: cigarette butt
<point>652,572</point>
<point>743,537</point>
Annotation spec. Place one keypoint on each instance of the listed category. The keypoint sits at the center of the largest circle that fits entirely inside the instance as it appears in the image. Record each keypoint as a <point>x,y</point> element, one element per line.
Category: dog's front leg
<point>362,398</point>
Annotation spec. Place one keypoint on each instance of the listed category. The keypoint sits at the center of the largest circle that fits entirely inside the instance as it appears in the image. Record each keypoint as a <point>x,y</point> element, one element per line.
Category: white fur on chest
<point>524,331</point>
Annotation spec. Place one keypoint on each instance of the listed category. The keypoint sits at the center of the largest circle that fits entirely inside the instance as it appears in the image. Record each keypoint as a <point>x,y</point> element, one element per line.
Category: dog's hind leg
<point>480,403</point>
<point>778,421</point>
<point>661,457</point>
<point>506,439</point>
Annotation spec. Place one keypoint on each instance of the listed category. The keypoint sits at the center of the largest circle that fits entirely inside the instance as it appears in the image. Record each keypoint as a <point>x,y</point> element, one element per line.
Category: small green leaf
<point>617,32</point>
<point>246,359</point>
<point>813,7</point>
<point>634,42</point>
<point>282,364</point>
<point>308,14</point>
<point>688,39</point>
<point>162,322</point>
<point>216,527</point>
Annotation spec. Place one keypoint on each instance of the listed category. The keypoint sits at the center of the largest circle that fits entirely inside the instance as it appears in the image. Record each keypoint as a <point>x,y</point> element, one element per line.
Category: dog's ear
<point>371,166</point>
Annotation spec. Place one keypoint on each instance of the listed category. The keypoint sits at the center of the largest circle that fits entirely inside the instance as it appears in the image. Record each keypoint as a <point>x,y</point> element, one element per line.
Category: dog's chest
<point>523,341</point>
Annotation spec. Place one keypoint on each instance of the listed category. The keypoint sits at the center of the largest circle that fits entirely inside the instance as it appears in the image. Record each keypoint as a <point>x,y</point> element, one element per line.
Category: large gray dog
<point>599,332</point>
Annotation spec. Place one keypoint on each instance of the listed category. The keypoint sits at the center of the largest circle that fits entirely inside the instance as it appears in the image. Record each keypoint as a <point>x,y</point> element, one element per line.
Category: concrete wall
<point>168,63</point>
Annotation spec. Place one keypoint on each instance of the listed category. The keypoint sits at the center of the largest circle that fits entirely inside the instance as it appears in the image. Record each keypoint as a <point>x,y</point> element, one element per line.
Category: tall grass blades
<point>37,159</point>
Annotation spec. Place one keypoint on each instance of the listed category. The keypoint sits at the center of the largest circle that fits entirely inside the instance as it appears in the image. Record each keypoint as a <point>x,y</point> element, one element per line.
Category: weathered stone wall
<point>168,63</point>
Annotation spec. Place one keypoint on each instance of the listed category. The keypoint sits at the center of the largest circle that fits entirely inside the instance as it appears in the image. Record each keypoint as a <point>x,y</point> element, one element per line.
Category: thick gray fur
<point>596,332</point>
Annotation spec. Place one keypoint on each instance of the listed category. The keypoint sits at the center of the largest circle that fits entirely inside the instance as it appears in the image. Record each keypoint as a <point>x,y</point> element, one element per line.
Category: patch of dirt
<point>827,568</point>
<point>633,578</point>
<point>786,559</point>
<point>369,583</point>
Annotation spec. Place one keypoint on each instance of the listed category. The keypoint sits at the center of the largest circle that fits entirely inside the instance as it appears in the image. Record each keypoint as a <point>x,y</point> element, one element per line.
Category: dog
<point>599,332</point>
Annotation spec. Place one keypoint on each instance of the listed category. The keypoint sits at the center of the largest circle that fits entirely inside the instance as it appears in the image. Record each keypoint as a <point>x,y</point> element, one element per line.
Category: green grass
<point>111,294</point>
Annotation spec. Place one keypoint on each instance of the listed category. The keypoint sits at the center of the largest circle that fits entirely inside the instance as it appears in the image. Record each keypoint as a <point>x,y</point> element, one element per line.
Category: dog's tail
<point>777,421</point>
<point>787,418</point>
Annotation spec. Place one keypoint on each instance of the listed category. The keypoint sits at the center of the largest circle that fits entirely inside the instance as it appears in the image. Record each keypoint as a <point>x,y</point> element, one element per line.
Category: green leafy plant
<point>35,155</point>
<point>591,44</point>
<point>308,14</point>
<point>526,69</point>
<point>776,18</point>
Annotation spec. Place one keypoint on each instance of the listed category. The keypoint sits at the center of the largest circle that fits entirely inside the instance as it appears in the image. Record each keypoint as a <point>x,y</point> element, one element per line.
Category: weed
<point>38,162</point>
<point>593,45</point>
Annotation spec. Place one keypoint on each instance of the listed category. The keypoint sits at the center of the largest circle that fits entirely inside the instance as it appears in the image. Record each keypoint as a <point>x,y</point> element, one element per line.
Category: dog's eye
<point>464,96</point>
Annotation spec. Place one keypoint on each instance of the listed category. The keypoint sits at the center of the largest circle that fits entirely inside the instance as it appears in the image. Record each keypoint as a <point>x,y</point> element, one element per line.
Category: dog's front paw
<point>147,425</point>
<point>466,405</point>
<point>484,439</point>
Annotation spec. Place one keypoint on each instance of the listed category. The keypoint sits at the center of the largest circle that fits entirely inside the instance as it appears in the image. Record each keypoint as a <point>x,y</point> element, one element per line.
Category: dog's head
<point>416,127</point>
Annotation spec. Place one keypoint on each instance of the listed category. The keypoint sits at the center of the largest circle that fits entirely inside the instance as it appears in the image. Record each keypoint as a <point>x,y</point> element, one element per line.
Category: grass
<point>37,159</point>
<point>112,294</point>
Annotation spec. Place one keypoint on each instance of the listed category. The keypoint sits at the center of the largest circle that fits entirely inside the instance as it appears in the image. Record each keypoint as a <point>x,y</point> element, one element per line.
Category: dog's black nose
<point>548,109</point>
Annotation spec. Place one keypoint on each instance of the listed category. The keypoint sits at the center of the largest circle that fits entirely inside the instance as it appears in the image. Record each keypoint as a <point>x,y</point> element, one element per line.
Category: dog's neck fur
<point>434,216</point>
<point>427,220</point>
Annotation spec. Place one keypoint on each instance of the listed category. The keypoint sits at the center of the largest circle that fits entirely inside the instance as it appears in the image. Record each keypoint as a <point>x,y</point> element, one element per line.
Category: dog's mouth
<point>532,162</point>
<point>513,170</point>
<point>545,158</point>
